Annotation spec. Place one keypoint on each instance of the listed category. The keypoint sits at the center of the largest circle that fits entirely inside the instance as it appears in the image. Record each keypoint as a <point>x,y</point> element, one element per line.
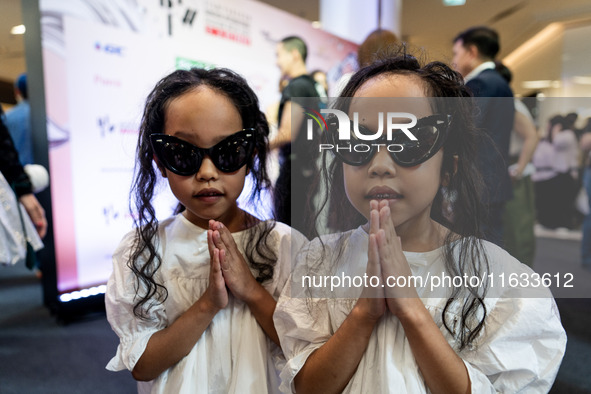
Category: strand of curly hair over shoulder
<point>464,254</point>
<point>144,259</point>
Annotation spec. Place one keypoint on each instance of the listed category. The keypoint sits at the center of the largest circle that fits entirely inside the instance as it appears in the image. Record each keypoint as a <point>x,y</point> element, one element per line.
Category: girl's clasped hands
<point>385,260</point>
<point>229,270</point>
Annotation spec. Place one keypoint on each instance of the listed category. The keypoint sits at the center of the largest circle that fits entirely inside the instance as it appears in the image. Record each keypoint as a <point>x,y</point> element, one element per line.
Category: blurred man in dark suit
<point>474,51</point>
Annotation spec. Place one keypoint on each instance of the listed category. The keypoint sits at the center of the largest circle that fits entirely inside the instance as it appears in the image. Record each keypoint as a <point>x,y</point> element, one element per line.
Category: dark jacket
<point>10,165</point>
<point>495,117</point>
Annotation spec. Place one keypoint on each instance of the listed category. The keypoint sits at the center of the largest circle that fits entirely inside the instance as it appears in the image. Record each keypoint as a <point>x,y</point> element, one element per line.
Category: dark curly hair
<point>463,254</point>
<point>144,260</point>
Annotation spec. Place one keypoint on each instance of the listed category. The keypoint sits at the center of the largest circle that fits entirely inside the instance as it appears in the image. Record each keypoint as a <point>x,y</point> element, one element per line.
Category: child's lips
<point>383,193</point>
<point>209,195</point>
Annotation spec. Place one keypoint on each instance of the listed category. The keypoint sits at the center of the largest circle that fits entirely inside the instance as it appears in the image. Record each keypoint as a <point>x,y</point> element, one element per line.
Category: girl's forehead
<point>391,93</point>
<point>392,85</point>
<point>202,101</point>
<point>194,92</point>
<point>202,116</point>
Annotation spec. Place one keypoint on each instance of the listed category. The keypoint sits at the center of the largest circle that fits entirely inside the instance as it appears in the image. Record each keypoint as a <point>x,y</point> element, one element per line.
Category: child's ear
<point>160,167</point>
<point>447,177</point>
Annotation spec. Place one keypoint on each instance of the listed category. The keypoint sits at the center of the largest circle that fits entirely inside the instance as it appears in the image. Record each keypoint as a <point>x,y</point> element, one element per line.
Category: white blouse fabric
<point>233,355</point>
<point>519,350</point>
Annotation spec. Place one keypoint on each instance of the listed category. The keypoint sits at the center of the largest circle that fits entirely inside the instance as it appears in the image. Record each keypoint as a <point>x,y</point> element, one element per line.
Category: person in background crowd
<point>295,168</point>
<point>321,82</point>
<point>373,47</point>
<point>569,122</point>
<point>18,121</point>
<point>520,212</point>
<point>15,175</point>
<point>474,52</point>
<point>555,179</point>
<point>585,145</point>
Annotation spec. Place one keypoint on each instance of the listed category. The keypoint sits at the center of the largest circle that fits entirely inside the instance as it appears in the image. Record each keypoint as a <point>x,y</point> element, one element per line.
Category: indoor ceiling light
<point>582,80</point>
<point>453,2</point>
<point>531,46</point>
<point>542,84</point>
<point>18,29</point>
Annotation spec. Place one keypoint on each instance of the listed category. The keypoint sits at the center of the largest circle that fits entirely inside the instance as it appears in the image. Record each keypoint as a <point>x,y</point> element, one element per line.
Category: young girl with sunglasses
<point>362,312</point>
<point>192,297</point>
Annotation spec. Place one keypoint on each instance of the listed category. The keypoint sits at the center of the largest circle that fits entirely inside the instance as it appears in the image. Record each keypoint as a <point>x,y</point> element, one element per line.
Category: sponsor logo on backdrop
<point>111,49</point>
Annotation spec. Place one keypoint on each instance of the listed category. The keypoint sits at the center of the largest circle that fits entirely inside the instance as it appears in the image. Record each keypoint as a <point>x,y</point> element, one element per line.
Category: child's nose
<point>208,170</point>
<point>382,164</point>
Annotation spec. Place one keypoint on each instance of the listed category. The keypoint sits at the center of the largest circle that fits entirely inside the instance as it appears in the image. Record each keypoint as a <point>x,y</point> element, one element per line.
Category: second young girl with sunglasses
<point>361,314</point>
<point>192,297</point>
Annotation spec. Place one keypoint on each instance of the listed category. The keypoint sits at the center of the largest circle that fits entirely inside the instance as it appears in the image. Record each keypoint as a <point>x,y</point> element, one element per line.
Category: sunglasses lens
<point>414,151</point>
<point>182,158</point>
<point>354,151</point>
<point>232,153</point>
<point>428,132</point>
<point>176,155</point>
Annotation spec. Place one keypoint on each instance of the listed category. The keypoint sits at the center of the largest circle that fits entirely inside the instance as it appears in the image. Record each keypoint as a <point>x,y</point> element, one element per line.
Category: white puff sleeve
<point>523,341</point>
<point>303,324</point>
<point>133,332</point>
<point>521,349</point>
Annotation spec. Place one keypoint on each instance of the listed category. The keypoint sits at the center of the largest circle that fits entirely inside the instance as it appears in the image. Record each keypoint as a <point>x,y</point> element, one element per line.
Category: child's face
<point>203,118</point>
<point>410,191</point>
